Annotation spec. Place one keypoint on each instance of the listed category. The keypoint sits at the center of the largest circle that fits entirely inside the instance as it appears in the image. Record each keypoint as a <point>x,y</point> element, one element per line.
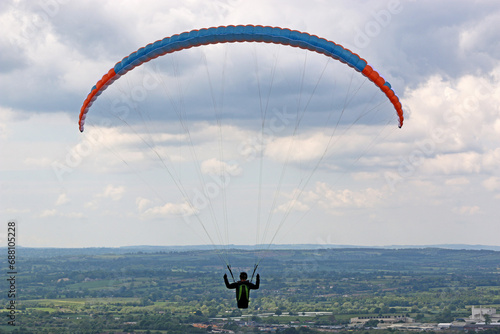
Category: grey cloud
<point>427,38</point>
<point>12,57</point>
<point>422,40</point>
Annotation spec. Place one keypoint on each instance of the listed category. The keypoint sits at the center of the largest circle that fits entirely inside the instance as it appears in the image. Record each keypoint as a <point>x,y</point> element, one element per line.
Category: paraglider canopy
<point>231,34</point>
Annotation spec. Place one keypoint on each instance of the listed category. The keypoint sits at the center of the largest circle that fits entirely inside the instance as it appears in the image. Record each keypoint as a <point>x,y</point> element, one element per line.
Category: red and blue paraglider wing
<point>232,34</point>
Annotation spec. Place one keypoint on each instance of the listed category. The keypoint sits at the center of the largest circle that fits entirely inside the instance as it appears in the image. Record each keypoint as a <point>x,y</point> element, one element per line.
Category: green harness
<point>247,292</point>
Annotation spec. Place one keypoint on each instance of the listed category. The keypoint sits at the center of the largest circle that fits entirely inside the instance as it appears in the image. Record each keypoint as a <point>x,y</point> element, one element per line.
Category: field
<point>159,291</point>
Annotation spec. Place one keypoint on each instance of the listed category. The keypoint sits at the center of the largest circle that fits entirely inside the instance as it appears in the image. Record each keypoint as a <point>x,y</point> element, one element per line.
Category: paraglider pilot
<point>243,287</point>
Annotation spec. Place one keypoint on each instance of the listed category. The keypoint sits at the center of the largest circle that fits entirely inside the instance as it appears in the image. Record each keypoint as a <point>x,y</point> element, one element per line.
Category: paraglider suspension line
<point>231,272</point>
<point>254,269</point>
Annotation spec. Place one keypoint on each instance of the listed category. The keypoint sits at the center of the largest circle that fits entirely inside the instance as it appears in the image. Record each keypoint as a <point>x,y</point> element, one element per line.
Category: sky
<point>175,153</point>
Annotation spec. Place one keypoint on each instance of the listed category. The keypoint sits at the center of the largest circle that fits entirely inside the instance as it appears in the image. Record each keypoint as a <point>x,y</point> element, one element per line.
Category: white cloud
<point>457,181</point>
<point>62,199</point>
<point>142,203</point>
<point>48,213</point>
<point>216,167</point>
<point>457,163</point>
<point>292,205</point>
<point>52,213</point>
<point>331,198</point>
<point>467,210</point>
<point>492,183</point>
<point>167,210</point>
<point>93,205</point>
<point>6,115</point>
<point>453,125</point>
<point>112,192</point>
<point>109,192</point>
<point>16,211</point>
<point>77,215</point>
<point>294,149</point>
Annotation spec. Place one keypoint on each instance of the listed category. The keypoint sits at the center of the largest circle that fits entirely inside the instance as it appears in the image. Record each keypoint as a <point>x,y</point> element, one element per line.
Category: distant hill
<point>47,251</point>
<point>450,246</point>
<point>310,246</point>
